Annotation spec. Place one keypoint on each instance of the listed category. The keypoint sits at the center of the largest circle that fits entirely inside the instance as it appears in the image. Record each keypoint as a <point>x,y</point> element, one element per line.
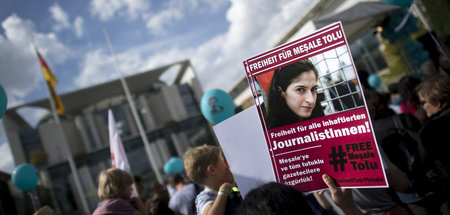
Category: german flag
<point>51,82</point>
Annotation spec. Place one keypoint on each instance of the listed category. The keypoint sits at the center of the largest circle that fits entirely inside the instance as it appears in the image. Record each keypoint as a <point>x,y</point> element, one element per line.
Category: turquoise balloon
<point>3,101</point>
<point>216,106</point>
<point>25,177</point>
<point>173,165</point>
<point>374,81</point>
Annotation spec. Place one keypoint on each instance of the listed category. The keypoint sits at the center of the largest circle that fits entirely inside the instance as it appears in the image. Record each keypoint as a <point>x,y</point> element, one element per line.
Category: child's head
<point>114,183</point>
<point>198,162</point>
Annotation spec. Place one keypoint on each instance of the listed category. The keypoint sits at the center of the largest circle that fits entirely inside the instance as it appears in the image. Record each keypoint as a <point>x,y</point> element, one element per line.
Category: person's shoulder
<point>111,205</point>
<point>116,201</point>
<point>443,114</point>
<point>191,187</point>
<point>107,202</point>
<point>205,198</point>
<point>181,193</point>
<point>206,195</point>
<point>208,192</point>
<point>410,121</point>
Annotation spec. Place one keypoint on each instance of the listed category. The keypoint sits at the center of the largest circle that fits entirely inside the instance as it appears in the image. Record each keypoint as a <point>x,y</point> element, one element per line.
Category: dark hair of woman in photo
<point>292,95</point>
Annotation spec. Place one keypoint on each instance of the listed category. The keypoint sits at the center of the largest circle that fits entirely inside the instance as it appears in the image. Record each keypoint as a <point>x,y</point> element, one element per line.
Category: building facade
<point>169,112</point>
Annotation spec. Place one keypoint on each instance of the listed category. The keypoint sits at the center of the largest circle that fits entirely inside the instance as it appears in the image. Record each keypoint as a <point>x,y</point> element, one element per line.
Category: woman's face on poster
<point>301,94</point>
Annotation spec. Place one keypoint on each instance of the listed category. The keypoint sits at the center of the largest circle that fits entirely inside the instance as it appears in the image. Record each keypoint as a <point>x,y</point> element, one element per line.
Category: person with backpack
<point>183,200</point>
<point>397,135</point>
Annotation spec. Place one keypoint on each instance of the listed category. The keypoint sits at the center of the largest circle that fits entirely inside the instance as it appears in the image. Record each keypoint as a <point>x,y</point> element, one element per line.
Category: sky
<point>215,35</point>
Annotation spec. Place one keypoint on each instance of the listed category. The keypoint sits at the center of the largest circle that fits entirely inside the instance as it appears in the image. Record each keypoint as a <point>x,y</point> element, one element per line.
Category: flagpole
<point>69,155</point>
<point>135,114</point>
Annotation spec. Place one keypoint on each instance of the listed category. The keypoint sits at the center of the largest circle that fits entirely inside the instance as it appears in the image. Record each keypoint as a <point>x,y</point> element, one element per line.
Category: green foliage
<point>397,68</point>
<point>438,12</point>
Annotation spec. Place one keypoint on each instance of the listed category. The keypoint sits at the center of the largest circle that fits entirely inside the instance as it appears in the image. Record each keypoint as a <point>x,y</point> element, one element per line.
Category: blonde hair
<point>435,89</point>
<point>111,183</point>
<point>196,161</point>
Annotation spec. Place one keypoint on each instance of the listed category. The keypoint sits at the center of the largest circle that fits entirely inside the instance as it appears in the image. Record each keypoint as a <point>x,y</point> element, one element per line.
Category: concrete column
<point>94,130</point>
<point>130,120</point>
<point>180,142</point>
<point>163,149</point>
<point>80,125</point>
<point>175,105</point>
<point>146,113</point>
<point>157,154</point>
<point>102,128</point>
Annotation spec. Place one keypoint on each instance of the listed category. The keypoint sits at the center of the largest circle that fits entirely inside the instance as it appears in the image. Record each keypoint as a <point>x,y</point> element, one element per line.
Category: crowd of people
<point>209,189</point>
<point>411,125</point>
<point>416,168</point>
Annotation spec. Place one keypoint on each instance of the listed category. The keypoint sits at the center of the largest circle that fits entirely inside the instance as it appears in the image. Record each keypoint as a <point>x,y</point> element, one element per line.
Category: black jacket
<point>435,136</point>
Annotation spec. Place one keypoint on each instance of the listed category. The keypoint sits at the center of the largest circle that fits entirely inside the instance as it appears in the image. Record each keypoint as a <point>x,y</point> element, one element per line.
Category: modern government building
<point>169,113</point>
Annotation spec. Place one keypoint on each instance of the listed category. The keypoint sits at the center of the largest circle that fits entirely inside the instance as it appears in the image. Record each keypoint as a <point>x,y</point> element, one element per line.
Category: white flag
<point>118,157</point>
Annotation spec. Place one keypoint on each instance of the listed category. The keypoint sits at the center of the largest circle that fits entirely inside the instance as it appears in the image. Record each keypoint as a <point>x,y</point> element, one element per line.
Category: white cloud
<point>157,22</point>
<point>218,61</point>
<point>212,5</point>
<point>255,26</point>
<point>60,16</point>
<point>62,21</point>
<point>78,26</point>
<point>135,7</point>
<point>96,67</point>
<point>18,77</point>
<point>176,10</point>
<point>17,30</point>
<point>167,57</point>
<point>21,71</point>
<point>106,9</point>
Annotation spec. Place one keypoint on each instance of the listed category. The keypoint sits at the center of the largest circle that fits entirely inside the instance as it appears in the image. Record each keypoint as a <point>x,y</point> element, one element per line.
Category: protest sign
<point>313,113</point>
<point>242,141</point>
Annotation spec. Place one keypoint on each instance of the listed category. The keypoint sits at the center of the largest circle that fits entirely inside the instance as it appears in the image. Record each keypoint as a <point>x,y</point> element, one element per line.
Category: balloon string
<point>33,200</point>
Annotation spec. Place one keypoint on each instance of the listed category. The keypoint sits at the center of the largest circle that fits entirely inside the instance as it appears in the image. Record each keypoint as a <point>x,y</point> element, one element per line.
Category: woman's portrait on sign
<point>321,85</point>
